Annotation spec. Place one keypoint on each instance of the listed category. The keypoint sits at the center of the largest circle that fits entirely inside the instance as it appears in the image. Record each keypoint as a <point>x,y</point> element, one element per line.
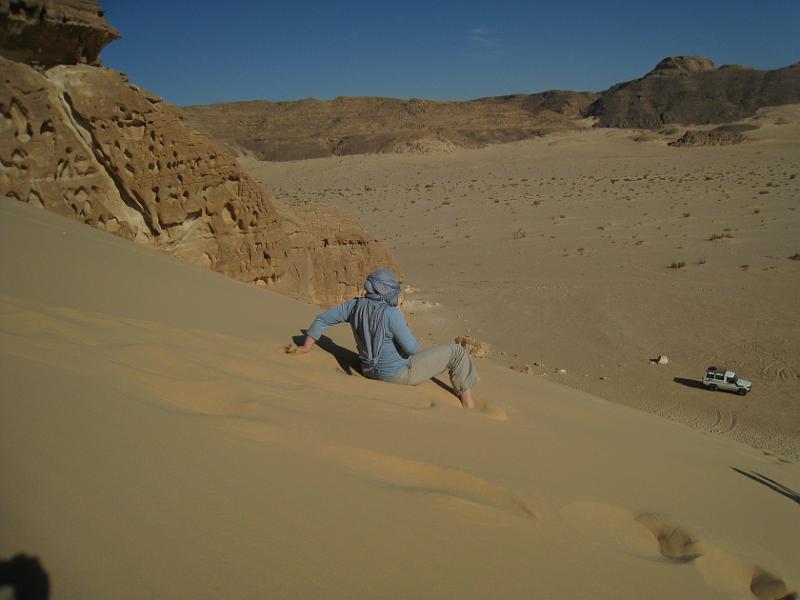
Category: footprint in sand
<point>485,409</point>
<point>673,542</point>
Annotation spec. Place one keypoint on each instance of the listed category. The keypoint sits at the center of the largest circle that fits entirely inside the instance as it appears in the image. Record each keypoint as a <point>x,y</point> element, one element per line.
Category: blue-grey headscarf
<point>383,291</point>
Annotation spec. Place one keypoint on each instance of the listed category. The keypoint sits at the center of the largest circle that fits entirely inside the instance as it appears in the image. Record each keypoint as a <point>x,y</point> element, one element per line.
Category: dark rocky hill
<point>681,90</point>
<point>689,90</point>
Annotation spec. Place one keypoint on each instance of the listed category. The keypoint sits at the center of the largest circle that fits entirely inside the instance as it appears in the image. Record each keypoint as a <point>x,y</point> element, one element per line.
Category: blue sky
<point>199,51</point>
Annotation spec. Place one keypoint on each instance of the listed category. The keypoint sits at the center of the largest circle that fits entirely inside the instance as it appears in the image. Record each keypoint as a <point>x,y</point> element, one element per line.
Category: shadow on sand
<point>347,359</point>
<point>692,383</point>
<point>25,575</point>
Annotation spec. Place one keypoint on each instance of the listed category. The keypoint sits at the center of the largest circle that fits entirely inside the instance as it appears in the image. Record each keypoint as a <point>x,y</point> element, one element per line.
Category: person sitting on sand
<point>387,348</point>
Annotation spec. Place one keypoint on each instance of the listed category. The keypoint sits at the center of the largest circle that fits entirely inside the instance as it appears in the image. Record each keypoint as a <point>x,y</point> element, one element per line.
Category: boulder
<point>474,347</point>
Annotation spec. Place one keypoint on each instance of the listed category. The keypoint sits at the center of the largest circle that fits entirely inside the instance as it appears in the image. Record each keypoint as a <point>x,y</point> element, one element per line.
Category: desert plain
<point>157,441</point>
<point>583,256</point>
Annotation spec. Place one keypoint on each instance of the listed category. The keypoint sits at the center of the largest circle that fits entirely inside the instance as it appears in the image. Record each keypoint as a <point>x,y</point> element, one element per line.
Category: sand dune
<point>558,251</point>
<point>156,441</point>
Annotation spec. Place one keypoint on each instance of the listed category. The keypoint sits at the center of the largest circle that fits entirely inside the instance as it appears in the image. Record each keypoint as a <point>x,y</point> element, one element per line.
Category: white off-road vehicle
<point>722,379</point>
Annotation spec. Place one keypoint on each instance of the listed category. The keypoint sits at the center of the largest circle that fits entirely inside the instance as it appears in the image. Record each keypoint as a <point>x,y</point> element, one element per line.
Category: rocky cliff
<point>84,142</point>
<point>689,90</point>
<point>680,89</point>
<point>315,128</point>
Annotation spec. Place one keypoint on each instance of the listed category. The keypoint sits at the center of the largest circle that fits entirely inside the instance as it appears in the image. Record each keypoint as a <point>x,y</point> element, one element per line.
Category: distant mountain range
<point>684,90</point>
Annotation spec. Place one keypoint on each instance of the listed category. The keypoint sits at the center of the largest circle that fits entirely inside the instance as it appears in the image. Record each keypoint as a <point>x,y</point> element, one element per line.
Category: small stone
<point>663,360</point>
<point>562,371</point>
<point>476,348</point>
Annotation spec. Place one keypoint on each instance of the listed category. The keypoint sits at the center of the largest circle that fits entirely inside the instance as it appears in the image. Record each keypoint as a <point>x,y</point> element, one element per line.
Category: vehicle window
<point>731,380</point>
<point>719,377</point>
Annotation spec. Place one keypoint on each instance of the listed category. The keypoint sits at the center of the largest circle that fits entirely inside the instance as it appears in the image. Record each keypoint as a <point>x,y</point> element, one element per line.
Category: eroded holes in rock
<point>121,108</point>
<point>112,224</point>
<point>19,116</point>
<point>13,196</point>
<point>152,168</point>
<point>61,167</point>
<point>81,195</point>
<point>47,128</point>
<point>151,148</point>
<point>68,149</point>
<point>156,198</point>
<point>83,166</point>
<point>128,154</point>
<point>228,214</point>
<point>18,8</point>
<point>35,199</point>
<point>129,169</point>
<point>267,257</point>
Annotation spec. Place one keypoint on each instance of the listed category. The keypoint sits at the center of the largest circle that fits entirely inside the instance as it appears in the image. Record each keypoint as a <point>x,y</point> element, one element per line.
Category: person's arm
<point>403,337</point>
<point>334,316</point>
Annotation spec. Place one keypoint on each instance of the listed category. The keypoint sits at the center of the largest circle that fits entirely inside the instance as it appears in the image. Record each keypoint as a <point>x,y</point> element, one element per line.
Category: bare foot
<point>466,399</point>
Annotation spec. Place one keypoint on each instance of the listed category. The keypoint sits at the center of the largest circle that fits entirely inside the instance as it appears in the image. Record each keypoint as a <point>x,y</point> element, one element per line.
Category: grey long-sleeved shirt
<point>399,343</point>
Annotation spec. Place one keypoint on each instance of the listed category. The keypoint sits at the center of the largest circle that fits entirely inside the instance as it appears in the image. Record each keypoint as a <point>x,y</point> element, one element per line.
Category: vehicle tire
<point>713,388</point>
<point>741,392</point>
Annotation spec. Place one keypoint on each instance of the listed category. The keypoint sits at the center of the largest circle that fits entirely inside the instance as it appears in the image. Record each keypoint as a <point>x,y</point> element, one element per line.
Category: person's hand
<point>294,350</point>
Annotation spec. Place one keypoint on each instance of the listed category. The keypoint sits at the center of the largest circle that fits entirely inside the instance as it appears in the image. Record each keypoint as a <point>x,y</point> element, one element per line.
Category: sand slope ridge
<point>155,440</point>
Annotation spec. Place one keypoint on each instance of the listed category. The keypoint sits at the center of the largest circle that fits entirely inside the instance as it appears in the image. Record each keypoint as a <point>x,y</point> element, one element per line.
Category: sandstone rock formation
<point>82,141</point>
<point>689,90</point>
<point>52,32</point>
<point>314,128</point>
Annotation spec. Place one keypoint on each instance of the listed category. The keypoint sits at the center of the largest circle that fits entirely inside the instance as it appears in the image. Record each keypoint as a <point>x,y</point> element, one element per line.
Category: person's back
<point>398,344</point>
<point>386,347</point>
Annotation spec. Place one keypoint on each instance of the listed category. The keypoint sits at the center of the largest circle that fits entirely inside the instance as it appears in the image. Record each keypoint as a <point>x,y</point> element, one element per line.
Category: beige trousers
<point>452,358</point>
